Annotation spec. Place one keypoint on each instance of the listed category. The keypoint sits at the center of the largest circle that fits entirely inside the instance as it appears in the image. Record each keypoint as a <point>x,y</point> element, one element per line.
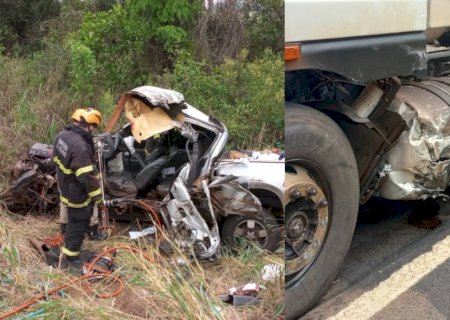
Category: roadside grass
<point>156,287</point>
<point>33,107</point>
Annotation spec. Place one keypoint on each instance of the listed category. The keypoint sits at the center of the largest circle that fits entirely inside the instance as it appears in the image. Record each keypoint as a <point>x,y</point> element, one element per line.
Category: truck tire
<point>316,144</point>
<point>263,230</point>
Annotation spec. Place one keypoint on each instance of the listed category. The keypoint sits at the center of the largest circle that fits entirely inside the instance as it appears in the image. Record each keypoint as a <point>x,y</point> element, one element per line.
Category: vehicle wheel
<point>263,230</point>
<point>322,200</point>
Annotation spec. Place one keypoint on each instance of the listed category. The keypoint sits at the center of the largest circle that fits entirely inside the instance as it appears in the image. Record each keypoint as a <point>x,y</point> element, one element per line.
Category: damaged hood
<point>158,97</point>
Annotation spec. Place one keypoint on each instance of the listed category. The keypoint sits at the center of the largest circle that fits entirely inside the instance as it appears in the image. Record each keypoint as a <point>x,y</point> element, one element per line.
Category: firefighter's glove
<point>98,200</point>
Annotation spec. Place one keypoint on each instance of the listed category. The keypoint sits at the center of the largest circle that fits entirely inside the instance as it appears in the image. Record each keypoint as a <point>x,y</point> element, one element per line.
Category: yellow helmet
<point>77,114</point>
<point>92,116</point>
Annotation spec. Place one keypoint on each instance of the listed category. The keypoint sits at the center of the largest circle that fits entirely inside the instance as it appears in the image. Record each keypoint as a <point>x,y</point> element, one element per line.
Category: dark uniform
<point>154,148</point>
<point>78,182</point>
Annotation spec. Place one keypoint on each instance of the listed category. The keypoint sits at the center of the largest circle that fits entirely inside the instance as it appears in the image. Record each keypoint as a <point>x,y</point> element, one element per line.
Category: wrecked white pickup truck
<point>168,158</point>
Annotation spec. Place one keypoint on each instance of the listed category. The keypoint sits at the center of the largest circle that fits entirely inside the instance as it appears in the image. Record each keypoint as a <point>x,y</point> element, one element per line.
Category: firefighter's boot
<point>73,265</point>
<point>94,233</point>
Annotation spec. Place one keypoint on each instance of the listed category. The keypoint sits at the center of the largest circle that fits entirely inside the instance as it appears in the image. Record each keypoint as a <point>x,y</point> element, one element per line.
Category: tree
<point>264,23</point>
<point>21,22</point>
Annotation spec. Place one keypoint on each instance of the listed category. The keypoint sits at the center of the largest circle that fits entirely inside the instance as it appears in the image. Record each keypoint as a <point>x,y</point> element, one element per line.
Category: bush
<point>246,95</point>
<point>116,43</point>
<point>82,71</point>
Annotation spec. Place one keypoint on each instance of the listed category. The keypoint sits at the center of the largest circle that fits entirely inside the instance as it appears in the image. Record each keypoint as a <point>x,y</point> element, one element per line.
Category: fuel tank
<point>417,165</point>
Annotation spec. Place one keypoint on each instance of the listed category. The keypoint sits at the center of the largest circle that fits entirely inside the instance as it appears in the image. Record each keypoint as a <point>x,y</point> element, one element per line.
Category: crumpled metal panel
<point>235,198</point>
<point>268,175</point>
<point>188,227</point>
<point>270,172</point>
<point>159,96</point>
<point>417,166</point>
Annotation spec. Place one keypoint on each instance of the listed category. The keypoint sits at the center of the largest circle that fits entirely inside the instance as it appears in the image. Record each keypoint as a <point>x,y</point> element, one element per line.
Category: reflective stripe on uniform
<point>95,193</point>
<point>84,170</point>
<point>75,205</point>
<point>69,253</point>
<point>61,166</point>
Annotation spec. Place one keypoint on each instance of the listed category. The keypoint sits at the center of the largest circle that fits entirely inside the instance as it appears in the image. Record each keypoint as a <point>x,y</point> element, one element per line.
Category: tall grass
<point>33,105</point>
<point>156,288</point>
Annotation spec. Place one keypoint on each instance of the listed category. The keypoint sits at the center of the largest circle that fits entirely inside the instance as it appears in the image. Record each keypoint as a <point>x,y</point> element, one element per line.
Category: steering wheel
<point>118,139</point>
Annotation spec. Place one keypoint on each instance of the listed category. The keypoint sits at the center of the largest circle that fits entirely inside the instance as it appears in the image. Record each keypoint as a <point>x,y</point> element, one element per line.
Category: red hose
<point>66,284</point>
<point>53,241</point>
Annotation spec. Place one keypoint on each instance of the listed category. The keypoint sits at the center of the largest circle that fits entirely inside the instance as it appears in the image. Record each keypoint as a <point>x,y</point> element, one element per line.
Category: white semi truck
<point>367,114</point>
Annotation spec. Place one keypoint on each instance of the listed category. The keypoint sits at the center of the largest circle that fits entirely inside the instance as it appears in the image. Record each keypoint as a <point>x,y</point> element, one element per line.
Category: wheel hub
<point>297,225</point>
<point>306,219</point>
<point>252,230</point>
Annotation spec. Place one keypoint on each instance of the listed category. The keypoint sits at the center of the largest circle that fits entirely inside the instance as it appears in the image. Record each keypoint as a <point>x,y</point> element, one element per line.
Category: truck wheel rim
<point>307,220</point>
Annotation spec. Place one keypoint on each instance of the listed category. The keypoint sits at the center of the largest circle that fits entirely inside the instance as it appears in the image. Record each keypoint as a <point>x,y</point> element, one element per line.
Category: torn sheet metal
<point>418,164</point>
<point>256,174</point>
<point>188,227</point>
<point>234,198</point>
<point>158,96</point>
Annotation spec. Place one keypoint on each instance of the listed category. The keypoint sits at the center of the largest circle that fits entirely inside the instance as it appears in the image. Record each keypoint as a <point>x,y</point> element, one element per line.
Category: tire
<point>234,225</point>
<point>315,142</point>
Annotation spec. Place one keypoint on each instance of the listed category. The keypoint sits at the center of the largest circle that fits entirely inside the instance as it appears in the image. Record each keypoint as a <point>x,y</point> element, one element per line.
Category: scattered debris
<point>261,155</point>
<point>181,261</point>
<point>266,155</point>
<point>247,295</point>
<point>165,246</point>
<point>139,234</point>
<point>234,154</point>
<point>33,185</point>
<point>42,248</point>
<point>88,262</point>
<point>270,272</point>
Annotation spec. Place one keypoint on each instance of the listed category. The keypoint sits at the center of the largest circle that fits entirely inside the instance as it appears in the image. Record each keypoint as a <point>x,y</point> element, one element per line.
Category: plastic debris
<point>267,156</point>
<point>139,234</point>
<point>271,272</point>
<point>181,261</point>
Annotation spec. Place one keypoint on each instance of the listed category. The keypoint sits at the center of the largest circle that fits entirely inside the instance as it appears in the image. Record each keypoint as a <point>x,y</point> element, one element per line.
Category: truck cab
<point>367,114</point>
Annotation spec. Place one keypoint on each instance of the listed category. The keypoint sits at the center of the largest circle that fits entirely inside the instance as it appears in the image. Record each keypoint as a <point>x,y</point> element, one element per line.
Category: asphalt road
<point>393,271</point>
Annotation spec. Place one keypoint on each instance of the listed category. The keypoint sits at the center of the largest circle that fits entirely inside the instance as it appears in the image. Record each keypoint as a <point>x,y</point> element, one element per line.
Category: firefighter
<point>154,148</point>
<point>76,175</point>
<point>93,232</point>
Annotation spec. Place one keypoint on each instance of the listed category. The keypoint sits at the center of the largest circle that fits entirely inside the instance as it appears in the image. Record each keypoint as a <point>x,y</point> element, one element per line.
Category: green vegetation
<point>246,95</point>
<point>56,56</point>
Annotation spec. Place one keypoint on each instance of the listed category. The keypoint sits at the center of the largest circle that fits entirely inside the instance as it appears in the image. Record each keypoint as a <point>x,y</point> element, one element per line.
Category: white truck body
<point>310,20</point>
